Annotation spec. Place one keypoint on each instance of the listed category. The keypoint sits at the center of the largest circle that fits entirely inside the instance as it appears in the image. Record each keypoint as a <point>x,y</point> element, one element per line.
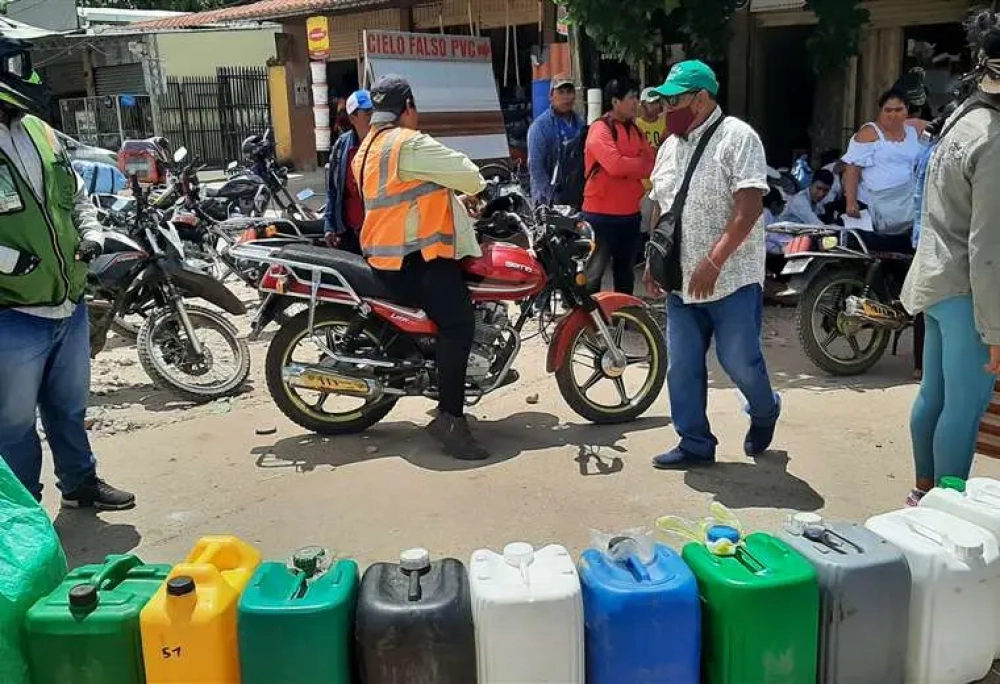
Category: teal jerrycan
<point>87,630</point>
<point>295,622</point>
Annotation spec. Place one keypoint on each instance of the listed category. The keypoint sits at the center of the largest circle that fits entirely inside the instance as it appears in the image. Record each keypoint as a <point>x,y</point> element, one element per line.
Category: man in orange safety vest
<point>415,232</point>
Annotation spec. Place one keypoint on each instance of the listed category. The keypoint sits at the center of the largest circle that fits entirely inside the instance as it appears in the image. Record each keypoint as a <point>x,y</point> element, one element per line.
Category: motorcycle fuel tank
<point>504,272</point>
<point>241,186</point>
<point>115,267</point>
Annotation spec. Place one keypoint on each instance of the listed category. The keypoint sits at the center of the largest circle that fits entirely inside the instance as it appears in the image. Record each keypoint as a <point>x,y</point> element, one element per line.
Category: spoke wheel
<point>603,392</point>
<point>834,342</point>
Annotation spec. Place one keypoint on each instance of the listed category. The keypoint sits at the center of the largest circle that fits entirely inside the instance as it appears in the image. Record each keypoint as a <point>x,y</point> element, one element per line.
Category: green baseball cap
<point>686,77</point>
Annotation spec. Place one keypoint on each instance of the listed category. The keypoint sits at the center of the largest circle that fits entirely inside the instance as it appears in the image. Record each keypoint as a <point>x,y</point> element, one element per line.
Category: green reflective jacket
<point>41,226</point>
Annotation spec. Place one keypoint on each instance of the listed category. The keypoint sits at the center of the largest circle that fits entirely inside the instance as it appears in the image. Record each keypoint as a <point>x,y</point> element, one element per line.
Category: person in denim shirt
<point>345,210</point>
<point>549,132</point>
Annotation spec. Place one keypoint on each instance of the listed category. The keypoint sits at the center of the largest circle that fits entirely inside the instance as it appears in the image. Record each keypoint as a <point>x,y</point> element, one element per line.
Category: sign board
<point>318,37</point>
<point>86,126</point>
<point>427,46</point>
<point>453,85</point>
<point>562,20</point>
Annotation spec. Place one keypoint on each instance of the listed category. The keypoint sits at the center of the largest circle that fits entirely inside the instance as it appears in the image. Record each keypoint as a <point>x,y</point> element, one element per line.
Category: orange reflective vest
<point>385,236</point>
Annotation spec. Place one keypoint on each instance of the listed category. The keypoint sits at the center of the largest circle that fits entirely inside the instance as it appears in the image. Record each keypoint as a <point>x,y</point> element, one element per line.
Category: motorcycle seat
<point>352,267</point>
<point>311,228</point>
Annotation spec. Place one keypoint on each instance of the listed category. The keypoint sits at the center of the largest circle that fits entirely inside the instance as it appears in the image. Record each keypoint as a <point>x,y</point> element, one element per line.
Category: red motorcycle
<point>358,342</point>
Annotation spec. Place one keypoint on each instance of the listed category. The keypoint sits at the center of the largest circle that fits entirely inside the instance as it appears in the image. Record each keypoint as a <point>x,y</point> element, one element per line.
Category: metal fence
<point>212,116</point>
<point>106,121</point>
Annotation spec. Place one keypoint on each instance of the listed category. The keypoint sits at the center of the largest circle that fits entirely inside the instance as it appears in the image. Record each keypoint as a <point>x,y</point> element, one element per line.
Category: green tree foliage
<point>621,30</point>
<point>706,25</point>
<point>837,36</point>
<point>165,5</point>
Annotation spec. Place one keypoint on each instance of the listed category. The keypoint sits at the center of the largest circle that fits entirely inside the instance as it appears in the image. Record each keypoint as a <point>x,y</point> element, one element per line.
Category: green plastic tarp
<point>32,564</point>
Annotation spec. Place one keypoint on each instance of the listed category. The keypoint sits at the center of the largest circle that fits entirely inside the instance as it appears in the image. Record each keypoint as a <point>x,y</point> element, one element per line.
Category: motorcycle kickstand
<point>895,341</point>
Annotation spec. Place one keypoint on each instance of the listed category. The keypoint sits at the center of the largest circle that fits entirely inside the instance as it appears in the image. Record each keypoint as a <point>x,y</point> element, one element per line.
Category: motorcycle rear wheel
<point>587,345</point>
<point>312,416</point>
<point>810,303</point>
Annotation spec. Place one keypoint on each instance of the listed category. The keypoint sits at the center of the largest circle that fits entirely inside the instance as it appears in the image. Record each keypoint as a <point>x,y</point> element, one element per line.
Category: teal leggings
<point>954,393</point>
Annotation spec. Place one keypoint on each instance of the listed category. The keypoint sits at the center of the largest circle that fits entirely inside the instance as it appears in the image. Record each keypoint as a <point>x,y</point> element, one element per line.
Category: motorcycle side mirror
<point>181,154</point>
<point>232,166</point>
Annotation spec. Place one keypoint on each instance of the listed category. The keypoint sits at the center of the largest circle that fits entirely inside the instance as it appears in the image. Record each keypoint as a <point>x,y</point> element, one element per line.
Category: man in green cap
<point>722,260</point>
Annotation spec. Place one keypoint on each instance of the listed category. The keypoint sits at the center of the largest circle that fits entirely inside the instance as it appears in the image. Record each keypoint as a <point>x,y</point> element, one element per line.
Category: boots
<point>455,436</point>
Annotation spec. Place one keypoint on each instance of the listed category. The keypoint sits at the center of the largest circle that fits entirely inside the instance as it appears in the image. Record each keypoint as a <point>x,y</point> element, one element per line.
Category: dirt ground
<point>842,448</point>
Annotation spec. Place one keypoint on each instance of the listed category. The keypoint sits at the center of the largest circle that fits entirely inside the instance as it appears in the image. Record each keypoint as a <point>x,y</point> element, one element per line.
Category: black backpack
<point>570,175</point>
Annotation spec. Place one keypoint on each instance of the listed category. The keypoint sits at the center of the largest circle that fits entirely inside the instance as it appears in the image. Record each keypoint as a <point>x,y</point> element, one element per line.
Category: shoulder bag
<point>663,253</point>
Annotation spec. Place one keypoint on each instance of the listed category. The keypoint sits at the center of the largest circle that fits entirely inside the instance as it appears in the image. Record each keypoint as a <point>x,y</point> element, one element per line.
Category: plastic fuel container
<point>864,584</point>
<point>642,615</point>
<point>760,610</point>
<point>87,630</point>
<point>953,563</point>
<point>189,626</point>
<point>976,500</point>
<point>414,622</point>
<point>296,621</point>
<point>528,611</point>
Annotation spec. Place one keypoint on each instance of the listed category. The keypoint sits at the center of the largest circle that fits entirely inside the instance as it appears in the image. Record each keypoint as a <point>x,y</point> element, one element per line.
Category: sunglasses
<point>674,100</point>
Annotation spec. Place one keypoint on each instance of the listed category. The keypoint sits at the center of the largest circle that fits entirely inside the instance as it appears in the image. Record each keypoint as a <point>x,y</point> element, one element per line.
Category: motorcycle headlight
<point>829,242</point>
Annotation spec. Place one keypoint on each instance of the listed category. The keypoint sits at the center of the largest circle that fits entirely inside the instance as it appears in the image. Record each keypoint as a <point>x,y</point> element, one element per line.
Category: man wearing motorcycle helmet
<point>415,232</point>
<point>48,234</point>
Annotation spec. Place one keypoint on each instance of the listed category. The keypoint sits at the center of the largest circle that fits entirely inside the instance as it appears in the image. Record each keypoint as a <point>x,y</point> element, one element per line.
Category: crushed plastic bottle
<point>721,532</point>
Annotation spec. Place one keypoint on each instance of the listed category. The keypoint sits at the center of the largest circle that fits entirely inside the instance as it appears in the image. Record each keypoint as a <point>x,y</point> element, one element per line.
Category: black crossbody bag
<point>663,253</point>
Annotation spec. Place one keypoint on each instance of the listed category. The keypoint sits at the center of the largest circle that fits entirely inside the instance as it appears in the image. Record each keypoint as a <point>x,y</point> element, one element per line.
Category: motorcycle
<point>145,273</point>
<point>263,181</point>
<point>846,291</point>
<point>370,347</point>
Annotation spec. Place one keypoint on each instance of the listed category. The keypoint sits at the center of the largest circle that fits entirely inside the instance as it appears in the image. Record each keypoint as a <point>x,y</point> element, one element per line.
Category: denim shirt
<point>337,181</point>
<point>546,136</point>
<point>918,196</point>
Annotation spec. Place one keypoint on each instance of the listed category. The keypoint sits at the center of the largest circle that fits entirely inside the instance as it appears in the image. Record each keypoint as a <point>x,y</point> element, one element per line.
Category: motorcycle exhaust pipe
<point>320,379</point>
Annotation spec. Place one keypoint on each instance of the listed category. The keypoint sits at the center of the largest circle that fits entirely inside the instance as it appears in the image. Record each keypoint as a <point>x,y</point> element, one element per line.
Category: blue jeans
<point>954,392</point>
<point>735,322</point>
<point>45,363</point>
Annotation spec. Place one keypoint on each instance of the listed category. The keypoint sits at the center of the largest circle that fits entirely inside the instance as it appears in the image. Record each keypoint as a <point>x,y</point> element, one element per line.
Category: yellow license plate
<point>325,383</point>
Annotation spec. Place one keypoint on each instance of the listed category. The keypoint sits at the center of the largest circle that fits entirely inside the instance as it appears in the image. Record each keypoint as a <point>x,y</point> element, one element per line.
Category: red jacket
<point>616,187</point>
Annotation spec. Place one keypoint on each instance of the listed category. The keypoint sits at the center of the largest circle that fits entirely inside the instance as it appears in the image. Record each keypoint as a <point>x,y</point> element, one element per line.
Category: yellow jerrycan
<point>189,627</point>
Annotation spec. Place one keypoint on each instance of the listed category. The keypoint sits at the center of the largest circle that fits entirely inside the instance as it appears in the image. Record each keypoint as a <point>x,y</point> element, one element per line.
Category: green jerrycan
<point>87,630</point>
<point>296,622</point>
<point>760,603</point>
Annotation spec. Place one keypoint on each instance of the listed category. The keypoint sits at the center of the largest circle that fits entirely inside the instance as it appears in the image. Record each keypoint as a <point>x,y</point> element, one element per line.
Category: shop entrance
<point>788,93</point>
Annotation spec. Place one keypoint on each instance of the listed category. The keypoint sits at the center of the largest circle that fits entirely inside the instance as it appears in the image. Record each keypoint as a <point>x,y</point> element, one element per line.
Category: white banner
<point>772,5</point>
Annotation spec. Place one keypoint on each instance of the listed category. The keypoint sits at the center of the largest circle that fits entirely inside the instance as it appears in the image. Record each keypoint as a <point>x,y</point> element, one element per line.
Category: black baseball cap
<point>391,95</point>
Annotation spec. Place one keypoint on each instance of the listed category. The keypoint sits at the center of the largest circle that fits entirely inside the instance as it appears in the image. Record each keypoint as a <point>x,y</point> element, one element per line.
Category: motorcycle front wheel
<point>603,394</point>
<point>832,341</point>
<point>167,356</point>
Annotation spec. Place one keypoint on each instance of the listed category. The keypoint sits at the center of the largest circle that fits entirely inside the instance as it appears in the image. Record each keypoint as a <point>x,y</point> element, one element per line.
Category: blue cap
<point>718,532</point>
<point>359,99</point>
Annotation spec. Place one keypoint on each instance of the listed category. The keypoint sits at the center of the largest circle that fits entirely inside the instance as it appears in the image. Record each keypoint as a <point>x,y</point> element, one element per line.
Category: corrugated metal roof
<point>266,10</point>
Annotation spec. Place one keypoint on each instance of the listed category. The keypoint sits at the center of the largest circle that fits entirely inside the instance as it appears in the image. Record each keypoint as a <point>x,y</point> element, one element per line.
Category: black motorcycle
<point>848,295</point>
<point>190,350</point>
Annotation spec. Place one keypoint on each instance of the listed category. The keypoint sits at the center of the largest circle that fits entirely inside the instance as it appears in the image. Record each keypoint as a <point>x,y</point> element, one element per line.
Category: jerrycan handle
<point>624,550</point>
<point>115,570</point>
<point>922,530</point>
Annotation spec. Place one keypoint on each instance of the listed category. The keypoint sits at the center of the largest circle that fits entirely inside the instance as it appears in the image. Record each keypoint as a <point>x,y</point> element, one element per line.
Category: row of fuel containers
<point>913,596</point>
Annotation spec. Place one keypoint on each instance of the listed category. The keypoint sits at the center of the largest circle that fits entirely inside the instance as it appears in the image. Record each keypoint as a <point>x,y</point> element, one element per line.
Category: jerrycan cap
<point>518,553</point>
<point>954,483</point>
<point>717,533</point>
<point>83,596</point>
<point>415,560</point>
<point>309,559</point>
<point>182,585</point>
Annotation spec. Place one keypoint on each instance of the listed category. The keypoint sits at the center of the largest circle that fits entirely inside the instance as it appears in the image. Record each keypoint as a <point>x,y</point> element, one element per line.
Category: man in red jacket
<point>617,160</point>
